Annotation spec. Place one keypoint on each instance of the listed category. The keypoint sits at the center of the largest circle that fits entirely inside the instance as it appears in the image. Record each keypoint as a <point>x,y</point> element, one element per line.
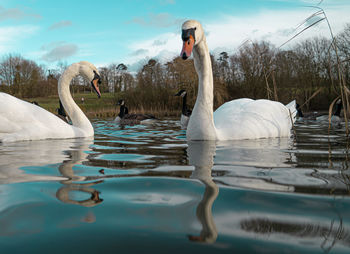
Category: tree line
<point>256,70</point>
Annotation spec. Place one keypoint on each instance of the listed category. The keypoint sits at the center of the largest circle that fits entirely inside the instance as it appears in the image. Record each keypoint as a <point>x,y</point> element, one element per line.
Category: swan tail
<point>291,106</point>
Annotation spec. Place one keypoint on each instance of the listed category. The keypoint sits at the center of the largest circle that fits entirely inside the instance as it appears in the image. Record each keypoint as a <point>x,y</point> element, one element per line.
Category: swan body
<point>234,120</point>
<point>252,119</point>
<point>21,120</point>
<point>186,112</point>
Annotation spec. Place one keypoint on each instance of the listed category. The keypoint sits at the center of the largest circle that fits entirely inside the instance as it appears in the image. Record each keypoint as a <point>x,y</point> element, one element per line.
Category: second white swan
<point>234,120</point>
<point>21,120</point>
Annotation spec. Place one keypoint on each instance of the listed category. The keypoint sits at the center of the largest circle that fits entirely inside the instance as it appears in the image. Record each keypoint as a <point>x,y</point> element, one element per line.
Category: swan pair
<point>21,120</point>
<point>237,119</point>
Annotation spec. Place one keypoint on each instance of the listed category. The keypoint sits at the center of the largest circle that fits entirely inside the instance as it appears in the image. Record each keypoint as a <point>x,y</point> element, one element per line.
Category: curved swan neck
<point>201,125</point>
<point>202,63</point>
<point>76,115</point>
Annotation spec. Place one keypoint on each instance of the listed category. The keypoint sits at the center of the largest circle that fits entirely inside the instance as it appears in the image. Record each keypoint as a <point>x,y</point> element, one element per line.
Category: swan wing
<point>252,119</point>
<point>21,120</point>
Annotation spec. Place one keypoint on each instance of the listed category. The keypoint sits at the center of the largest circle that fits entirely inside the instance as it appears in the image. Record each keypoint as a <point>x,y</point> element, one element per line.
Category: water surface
<point>145,189</point>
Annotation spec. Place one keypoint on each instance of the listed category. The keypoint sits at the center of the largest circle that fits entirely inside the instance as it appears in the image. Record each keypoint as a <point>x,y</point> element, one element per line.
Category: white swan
<point>21,120</point>
<point>237,119</point>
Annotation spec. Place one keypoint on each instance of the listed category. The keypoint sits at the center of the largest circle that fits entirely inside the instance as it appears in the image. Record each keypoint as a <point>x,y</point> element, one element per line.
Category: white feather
<point>237,119</point>
<point>21,120</point>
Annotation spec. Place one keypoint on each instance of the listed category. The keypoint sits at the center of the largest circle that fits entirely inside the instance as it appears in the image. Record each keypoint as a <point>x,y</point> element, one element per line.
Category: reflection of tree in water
<point>201,156</point>
<point>331,235</point>
<point>70,185</point>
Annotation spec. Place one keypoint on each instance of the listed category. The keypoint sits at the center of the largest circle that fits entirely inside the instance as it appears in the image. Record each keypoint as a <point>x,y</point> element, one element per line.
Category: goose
<point>322,119</point>
<point>21,120</point>
<point>124,118</point>
<point>123,110</point>
<point>186,112</point>
<point>61,113</point>
<point>237,119</point>
<point>300,114</point>
<point>335,119</point>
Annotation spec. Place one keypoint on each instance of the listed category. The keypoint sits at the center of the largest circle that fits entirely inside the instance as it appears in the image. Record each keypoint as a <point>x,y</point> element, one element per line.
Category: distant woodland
<point>256,70</point>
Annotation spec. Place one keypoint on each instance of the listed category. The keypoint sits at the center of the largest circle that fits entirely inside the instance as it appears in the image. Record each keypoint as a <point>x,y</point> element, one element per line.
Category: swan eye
<point>186,34</point>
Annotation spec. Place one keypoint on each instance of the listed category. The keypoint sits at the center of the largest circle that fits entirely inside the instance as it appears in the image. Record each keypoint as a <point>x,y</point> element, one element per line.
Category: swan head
<point>192,34</point>
<point>181,93</point>
<point>90,72</point>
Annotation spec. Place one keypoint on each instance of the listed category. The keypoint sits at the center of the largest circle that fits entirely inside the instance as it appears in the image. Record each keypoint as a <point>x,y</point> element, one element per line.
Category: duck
<point>186,112</point>
<point>234,120</point>
<point>24,121</point>
<point>124,118</point>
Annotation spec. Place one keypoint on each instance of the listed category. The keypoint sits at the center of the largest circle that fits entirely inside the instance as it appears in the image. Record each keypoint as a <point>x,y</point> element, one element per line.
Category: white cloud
<point>61,24</point>
<point>139,52</point>
<point>11,36</point>
<point>162,47</point>
<point>157,20</point>
<point>58,51</point>
<point>230,32</point>
<point>16,14</point>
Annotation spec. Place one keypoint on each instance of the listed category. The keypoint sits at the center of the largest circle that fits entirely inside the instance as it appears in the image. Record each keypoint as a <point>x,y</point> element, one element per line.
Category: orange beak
<point>187,48</point>
<point>94,84</point>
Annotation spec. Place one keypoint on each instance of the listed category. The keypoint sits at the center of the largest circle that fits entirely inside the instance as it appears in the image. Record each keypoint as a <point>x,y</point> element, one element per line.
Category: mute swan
<point>21,120</point>
<point>124,118</point>
<point>237,119</point>
<point>186,112</point>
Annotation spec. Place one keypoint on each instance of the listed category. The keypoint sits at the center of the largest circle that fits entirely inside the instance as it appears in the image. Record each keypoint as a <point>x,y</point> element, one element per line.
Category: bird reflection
<point>66,169</point>
<point>63,194</point>
<point>201,156</point>
<point>15,157</point>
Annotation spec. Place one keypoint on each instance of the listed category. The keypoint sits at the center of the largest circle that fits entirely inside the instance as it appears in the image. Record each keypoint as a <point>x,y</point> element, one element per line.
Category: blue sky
<point>130,32</point>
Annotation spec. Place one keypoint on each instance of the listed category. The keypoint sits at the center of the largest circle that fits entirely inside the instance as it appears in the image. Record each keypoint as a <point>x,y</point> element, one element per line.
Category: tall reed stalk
<point>344,91</point>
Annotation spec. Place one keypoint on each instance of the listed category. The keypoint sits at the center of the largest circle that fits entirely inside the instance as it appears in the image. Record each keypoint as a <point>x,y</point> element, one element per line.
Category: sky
<point>133,31</point>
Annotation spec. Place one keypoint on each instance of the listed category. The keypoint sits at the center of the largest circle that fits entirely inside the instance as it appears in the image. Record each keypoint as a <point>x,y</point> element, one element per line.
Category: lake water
<point>144,189</point>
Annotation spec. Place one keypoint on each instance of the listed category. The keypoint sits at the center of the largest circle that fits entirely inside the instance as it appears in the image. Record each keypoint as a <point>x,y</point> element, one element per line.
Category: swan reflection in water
<point>201,156</point>
<point>15,158</point>
<point>66,169</point>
